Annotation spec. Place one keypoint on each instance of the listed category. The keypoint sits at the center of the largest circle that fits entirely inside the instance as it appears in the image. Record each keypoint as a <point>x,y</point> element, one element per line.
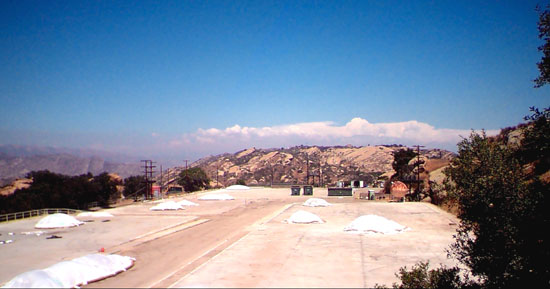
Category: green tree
<point>491,195</point>
<point>106,189</point>
<point>544,34</point>
<point>193,179</point>
<point>503,205</point>
<point>535,146</point>
<point>51,190</point>
<point>421,277</point>
<point>502,192</point>
<point>404,171</point>
<point>133,185</point>
<point>400,164</point>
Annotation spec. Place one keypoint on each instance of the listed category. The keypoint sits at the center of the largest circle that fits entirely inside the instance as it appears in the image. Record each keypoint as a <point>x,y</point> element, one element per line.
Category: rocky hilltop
<point>314,165</point>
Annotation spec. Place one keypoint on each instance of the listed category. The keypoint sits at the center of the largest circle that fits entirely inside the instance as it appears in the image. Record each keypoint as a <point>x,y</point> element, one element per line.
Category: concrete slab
<point>29,251</point>
<point>181,248</point>
<point>277,254</point>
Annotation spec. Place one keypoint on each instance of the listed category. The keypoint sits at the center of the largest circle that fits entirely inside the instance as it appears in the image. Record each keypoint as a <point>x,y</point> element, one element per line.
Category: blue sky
<point>186,79</point>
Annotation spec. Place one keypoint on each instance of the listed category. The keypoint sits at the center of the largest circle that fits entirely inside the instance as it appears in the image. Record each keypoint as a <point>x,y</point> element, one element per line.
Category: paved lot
<point>29,252</point>
<point>242,243</point>
<point>277,254</point>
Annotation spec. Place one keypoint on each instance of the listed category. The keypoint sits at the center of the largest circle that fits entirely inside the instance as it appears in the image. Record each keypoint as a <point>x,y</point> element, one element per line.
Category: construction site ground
<point>241,243</point>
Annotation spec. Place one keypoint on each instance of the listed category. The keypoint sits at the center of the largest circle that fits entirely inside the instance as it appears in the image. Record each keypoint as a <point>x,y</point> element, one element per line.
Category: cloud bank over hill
<point>170,148</point>
<point>357,131</point>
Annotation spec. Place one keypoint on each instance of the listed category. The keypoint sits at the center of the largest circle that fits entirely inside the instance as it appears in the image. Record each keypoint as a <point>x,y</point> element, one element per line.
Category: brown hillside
<point>15,185</point>
<point>313,165</point>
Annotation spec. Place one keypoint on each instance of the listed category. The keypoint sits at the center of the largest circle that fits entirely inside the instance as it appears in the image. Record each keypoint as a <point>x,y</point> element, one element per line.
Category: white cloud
<point>357,127</point>
<point>358,131</point>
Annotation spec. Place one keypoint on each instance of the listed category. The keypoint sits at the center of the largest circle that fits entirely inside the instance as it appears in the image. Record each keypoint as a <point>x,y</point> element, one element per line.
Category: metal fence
<point>34,213</point>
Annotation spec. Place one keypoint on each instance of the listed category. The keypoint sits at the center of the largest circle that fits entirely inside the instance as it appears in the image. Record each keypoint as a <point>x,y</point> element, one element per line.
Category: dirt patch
<point>16,185</point>
<point>434,164</point>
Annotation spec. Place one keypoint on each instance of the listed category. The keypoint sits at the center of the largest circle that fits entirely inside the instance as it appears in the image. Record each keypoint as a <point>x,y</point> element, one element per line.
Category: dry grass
<point>16,185</point>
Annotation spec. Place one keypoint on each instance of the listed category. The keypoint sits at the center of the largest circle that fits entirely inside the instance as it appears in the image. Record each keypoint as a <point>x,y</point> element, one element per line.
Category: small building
<point>175,190</point>
<point>155,191</point>
<point>347,191</point>
<point>357,184</point>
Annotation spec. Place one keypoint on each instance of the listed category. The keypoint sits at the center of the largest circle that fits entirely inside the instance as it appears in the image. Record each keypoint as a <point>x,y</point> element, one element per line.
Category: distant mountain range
<point>17,161</point>
<point>28,150</point>
<point>301,164</point>
<point>305,164</point>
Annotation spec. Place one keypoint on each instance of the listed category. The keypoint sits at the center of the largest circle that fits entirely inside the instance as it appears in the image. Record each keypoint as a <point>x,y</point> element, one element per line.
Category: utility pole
<point>271,167</point>
<point>418,166</point>
<point>320,175</point>
<point>146,175</point>
<point>307,169</point>
<point>185,164</point>
<point>217,169</point>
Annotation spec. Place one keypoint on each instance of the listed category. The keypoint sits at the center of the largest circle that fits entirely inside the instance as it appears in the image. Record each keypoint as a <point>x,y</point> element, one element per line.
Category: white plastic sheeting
<point>187,203</point>
<point>237,187</point>
<point>34,279</point>
<point>373,224</point>
<point>36,233</point>
<point>71,274</point>
<point>95,215</point>
<point>170,205</point>
<point>303,217</point>
<point>58,220</point>
<point>216,197</point>
<point>316,202</point>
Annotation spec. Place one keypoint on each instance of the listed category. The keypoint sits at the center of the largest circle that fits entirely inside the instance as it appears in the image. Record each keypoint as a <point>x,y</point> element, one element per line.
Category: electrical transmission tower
<point>148,169</point>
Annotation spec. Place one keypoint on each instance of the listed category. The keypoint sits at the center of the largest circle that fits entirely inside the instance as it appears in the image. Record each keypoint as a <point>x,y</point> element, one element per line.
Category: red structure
<point>398,190</point>
<point>155,191</point>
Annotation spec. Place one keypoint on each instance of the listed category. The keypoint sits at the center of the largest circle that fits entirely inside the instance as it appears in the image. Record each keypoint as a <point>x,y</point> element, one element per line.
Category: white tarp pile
<point>36,233</point>
<point>58,220</point>
<point>316,202</point>
<point>303,217</point>
<point>95,215</point>
<point>216,197</point>
<point>187,203</point>
<point>373,224</point>
<point>170,205</point>
<point>71,274</point>
<point>237,188</point>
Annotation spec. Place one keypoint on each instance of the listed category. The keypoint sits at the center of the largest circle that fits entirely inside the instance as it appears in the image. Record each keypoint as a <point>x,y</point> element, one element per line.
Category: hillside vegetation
<point>17,166</point>
<point>315,165</point>
<point>51,190</point>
